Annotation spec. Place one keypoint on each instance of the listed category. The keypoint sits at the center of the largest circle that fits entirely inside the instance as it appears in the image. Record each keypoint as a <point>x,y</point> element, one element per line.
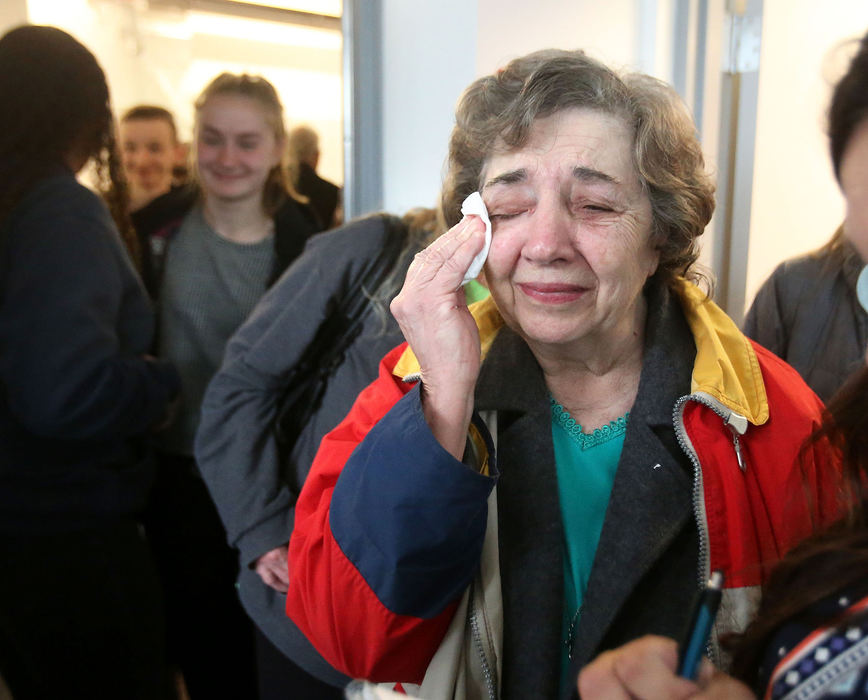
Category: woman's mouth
<point>224,175</point>
<point>552,292</point>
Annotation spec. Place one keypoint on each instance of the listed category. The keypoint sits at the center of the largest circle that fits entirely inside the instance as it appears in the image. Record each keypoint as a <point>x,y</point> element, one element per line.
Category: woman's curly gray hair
<point>499,110</point>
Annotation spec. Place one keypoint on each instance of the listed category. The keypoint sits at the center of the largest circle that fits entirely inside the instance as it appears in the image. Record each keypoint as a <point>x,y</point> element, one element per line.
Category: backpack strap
<point>303,392</point>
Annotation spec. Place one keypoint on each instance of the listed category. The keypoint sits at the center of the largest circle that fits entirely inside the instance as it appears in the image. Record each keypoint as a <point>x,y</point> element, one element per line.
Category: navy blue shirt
<point>77,394</point>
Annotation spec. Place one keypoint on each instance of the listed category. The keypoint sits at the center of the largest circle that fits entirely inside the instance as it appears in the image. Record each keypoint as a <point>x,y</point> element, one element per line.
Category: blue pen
<point>691,649</point>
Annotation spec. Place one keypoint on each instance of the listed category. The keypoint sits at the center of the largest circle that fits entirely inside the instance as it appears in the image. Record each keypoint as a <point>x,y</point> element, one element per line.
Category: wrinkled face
<point>149,152</point>
<point>571,247</point>
<point>235,147</point>
<point>854,185</point>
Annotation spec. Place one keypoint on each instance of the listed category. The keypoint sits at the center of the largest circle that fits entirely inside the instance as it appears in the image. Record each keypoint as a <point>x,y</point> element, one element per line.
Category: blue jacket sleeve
<point>408,515</point>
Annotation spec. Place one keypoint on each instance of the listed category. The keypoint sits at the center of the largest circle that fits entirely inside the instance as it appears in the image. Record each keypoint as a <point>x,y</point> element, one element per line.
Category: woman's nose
<point>225,155</point>
<point>550,232</point>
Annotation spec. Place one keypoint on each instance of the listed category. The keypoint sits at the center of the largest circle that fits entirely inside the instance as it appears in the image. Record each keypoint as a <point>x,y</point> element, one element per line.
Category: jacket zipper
<point>480,647</point>
<point>737,425</point>
<point>477,609</point>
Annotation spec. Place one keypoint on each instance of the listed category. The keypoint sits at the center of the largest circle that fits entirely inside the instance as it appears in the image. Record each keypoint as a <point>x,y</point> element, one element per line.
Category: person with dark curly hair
<point>80,608</point>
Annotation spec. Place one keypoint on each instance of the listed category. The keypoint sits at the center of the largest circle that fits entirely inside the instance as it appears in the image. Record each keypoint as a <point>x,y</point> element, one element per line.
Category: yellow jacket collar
<point>726,365</point>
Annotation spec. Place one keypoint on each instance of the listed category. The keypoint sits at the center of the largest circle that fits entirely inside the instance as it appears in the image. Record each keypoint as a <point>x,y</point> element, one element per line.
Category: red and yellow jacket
<point>389,528</point>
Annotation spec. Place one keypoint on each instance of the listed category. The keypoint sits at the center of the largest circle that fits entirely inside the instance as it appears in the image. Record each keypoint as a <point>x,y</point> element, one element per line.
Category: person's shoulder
<point>294,217</point>
<point>60,204</point>
<point>802,268</point>
<point>327,184</point>
<point>63,221</point>
<point>62,192</point>
<point>789,281</point>
<point>363,237</point>
<point>783,384</point>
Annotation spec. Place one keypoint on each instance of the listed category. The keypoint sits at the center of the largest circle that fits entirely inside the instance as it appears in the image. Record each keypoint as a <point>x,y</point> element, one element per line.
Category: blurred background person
<point>150,152</point>
<point>253,475</point>
<point>807,313</point>
<point>151,157</point>
<point>80,612</point>
<point>238,237</point>
<point>324,196</point>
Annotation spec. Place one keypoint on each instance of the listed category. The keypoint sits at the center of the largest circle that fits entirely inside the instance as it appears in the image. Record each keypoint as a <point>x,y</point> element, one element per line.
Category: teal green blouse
<point>586,465</point>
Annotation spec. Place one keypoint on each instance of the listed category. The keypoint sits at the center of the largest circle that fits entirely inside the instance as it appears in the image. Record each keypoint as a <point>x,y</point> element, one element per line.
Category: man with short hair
<point>150,152</point>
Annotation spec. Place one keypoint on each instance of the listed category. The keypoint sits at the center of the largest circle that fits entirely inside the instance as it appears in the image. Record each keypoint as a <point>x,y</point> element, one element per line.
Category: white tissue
<point>474,205</point>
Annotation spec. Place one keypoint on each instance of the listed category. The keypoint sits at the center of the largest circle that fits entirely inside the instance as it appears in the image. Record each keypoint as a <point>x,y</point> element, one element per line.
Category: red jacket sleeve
<point>376,602</point>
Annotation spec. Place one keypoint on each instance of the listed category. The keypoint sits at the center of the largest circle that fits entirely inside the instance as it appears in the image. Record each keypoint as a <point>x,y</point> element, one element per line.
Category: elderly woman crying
<point>555,470</point>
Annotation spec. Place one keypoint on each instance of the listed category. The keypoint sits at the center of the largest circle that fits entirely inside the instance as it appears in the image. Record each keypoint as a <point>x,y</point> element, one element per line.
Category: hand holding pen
<point>658,668</point>
<point>699,630</point>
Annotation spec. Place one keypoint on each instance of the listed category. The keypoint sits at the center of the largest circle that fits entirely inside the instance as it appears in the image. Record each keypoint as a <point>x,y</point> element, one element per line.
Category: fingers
<point>448,258</point>
<point>432,313</point>
<point>707,672</point>
<point>272,569</point>
<point>436,273</point>
<point>716,685</point>
<point>277,578</point>
<point>599,680</point>
<point>273,581</point>
<point>649,673</point>
<point>643,669</point>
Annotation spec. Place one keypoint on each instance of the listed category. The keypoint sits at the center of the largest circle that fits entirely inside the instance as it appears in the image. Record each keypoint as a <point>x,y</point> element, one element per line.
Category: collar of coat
<point>726,365</point>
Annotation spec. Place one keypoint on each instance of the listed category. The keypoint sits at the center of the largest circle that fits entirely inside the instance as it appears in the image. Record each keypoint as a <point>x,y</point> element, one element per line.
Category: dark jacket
<point>77,394</point>
<point>324,196</point>
<point>807,313</point>
<point>235,447</point>
<point>154,223</point>
<point>158,222</point>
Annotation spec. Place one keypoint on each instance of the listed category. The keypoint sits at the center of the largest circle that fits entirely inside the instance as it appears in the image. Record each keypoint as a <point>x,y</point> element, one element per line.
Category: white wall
<point>511,28</point>
<point>429,57</point>
<point>796,205</point>
<point>432,50</point>
<point>12,13</point>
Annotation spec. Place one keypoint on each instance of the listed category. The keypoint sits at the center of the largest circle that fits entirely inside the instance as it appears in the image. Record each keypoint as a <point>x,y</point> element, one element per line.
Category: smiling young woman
<point>214,265</point>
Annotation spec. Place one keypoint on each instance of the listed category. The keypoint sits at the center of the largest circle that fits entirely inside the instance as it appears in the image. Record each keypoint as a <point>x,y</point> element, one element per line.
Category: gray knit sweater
<point>210,286</point>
